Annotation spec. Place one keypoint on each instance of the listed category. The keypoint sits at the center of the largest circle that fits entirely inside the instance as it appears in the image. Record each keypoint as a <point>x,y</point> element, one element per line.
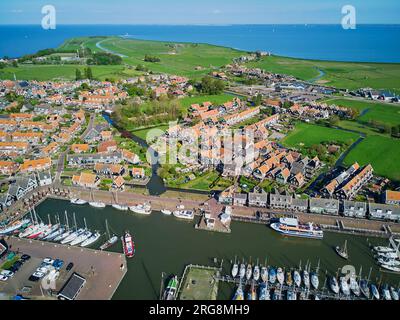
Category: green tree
<point>257,100</point>
<point>88,73</point>
<point>78,75</point>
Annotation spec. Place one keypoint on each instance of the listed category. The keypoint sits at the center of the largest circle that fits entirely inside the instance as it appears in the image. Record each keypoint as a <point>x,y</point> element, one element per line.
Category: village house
<point>280,201</point>
<point>109,170</point>
<point>86,180</point>
<point>350,188</point>
<point>283,176</point>
<point>299,205</point>
<point>44,178</point>
<point>258,199</point>
<point>354,209</point>
<point>107,146</point>
<point>137,173</point>
<point>30,137</point>
<point>240,199</point>
<point>18,148</point>
<point>129,157</point>
<point>392,197</point>
<point>77,160</point>
<point>35,165</point>
<point>235,118</point>
<point>297,180</point>
<point>80,148</point>
<point>384,212</point>
<point>106,135</point>
<point>118,183</point>
<point>226,196</point>
<point>50,149</point>
<point>8,167</point>
<point>324,206</point>
<point>23,185</point>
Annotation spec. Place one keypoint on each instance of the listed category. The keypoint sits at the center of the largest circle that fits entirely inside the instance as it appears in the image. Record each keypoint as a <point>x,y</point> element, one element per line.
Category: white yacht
<point>120,207</point>
<point>280,276</point>
<point>97,204</point>
<point>314,280</point>
<point>78,201</point>
<point>344,285</point>
<point>184,214</point>
<point>81,238</point>
<point>166,212</point>
<point>141,209</point>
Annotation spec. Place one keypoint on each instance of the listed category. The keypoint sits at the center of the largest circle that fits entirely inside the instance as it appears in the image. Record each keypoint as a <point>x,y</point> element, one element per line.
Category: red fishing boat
<point>128,244</point>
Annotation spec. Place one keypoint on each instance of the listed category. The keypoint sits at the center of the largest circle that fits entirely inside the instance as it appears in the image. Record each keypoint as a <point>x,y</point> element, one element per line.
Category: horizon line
<point>199,24</point>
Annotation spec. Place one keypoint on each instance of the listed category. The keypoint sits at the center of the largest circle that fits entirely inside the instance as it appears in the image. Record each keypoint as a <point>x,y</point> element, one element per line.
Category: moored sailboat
<point>111,240</point>
<point>235,269</point>
<point>342,252</point>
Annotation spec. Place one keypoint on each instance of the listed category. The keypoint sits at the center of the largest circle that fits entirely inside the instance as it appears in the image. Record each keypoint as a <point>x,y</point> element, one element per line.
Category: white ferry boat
<point>184,214</point>
<point>292,227</point>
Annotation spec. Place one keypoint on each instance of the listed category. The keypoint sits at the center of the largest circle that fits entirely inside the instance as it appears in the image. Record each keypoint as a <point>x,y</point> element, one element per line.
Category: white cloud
<point>216,11</point>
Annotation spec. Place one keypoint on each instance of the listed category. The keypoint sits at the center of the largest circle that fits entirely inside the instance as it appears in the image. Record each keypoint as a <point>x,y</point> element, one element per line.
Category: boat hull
<point>275,226</point>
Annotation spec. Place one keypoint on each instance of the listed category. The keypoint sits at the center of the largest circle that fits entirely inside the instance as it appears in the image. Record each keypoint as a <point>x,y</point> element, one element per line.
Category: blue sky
<point>198,11</point>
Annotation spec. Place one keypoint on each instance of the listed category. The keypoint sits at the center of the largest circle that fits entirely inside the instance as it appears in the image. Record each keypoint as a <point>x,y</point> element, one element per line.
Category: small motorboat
<point>252,294</point>
<point>384,249</point>
<point>166,212</point>
<point>386,293</point>
<point>314,280</point>
<point>235,270</point>
<point>342,252</point>
<point>354,287</point>
<point>98,205</point>
<point>120,207</point>
<point>242,271</point>
<point>306,279</point>
<point>272,275</point>
<point>375,292</point>
<point>289,279</point>
<point>333,284</point>
<point>171,290</point>
<point>280,276</point>
<point>296,278</point>
<point>264,274</point>
<point>344,286</point>
<point>365,289</point>
<point>78,201</point>
<point>394,293</point>
<point>249,271</point>
<point>256,273</point>
<point>390,268</point>
<point>143,208</point>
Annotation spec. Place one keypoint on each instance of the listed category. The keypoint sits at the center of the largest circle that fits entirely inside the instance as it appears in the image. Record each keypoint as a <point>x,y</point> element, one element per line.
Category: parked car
<point>33,278</point>
<point>7,273</point>
<point>48,260</point>
<point>69,266</point>
<point>38,274</point>
<point>58,263</point>
<point>25,257</point>
<point>42,270</point>
<point>3,278</point>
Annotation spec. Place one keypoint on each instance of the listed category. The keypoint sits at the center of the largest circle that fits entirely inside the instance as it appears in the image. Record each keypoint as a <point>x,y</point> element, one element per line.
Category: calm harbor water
<point>373,43</point>
<point>165,244</point>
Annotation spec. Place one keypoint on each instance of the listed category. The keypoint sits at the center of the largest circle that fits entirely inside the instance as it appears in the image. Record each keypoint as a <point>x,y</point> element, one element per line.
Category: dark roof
<point>71,288</point>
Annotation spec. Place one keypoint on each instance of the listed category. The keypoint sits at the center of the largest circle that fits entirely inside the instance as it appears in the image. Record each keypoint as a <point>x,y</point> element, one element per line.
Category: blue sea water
<point>368,43</point>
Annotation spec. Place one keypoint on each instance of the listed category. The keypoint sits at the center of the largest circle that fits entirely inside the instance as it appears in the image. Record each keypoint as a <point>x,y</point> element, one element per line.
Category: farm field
<point>381,152</point>
<point>306,135</point>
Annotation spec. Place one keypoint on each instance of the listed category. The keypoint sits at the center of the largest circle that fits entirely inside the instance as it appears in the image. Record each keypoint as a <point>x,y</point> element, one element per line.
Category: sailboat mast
<point>76,227</point>
<point>66,220</point>
<point>84,221</point>
<point>108,231</point>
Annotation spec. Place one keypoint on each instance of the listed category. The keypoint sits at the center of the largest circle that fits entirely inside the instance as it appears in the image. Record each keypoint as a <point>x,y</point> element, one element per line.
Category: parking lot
<point>102,270</point>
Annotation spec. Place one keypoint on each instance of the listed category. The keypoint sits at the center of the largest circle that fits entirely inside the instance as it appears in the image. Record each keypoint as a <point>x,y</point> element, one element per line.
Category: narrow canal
<point>165,244</point>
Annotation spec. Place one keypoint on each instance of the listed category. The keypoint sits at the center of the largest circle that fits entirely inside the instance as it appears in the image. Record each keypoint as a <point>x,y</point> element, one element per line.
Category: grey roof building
<point>354,209</point>
<point>384,212</point>
<point>280,201</point>
<point>240,199</point>
<point>324,206</point>
<point>299,205</point>
<point>258,199</point>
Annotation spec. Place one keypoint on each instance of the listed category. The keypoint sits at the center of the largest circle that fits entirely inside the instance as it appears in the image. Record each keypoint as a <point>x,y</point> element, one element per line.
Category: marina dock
<point>102,270</point>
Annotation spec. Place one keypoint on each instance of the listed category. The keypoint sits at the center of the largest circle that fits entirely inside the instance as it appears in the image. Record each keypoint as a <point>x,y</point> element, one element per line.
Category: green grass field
<point>142,134</point>
<point>215,99</point>
<point>382,152</point>
<point>346,75</point>
<point>306,135</point>
<point>378,111</point>
<point>176,58</point>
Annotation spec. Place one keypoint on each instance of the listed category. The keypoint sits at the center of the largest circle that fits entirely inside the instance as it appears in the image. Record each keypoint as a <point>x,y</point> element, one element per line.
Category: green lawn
<point>306,135</point>
<point>346,75</point>
<point>142,134</point>
<point>381,152</point>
